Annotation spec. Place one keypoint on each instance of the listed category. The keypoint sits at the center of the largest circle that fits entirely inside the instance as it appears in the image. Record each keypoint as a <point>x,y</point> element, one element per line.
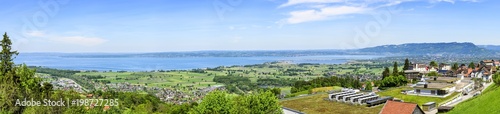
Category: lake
<point>61,61</point>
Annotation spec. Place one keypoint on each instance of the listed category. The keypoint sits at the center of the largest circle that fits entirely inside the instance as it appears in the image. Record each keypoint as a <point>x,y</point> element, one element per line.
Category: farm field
<point>315,104</point>
<point>202,78</point>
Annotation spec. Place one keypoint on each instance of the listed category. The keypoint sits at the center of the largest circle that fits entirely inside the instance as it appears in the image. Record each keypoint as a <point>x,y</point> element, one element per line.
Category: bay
<point>61,61</point>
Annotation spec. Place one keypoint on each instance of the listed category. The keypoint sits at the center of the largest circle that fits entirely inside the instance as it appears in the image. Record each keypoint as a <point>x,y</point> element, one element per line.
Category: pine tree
<point>9,87</point>
<point>407,64</point>
<point>433,64</point>
<point>395,71</point>
<point>16,82</point>
<point>7,56</point>
<point>386,73</point>
<point>454,67</point>
<point>472,65</point>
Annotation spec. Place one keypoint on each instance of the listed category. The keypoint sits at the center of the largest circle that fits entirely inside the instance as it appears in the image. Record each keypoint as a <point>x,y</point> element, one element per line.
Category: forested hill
<point>490,47</point>
<point>430,48</point>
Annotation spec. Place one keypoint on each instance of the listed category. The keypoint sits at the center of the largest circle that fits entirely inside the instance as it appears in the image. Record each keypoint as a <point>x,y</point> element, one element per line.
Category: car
<point>477,93</point>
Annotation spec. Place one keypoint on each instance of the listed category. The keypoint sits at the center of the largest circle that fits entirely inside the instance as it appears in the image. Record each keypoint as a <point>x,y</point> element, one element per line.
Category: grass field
<point>316,104</point>
<point>181,79</point>
<point>396,93</point>
<point>326,89</point>
<point>487,103</point>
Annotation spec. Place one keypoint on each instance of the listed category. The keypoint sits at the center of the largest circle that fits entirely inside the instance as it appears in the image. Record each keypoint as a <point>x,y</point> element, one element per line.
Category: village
<point>443,81</point>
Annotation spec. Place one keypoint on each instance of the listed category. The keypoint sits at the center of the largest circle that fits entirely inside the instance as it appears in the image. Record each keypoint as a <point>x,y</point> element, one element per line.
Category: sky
<point>194,25</point>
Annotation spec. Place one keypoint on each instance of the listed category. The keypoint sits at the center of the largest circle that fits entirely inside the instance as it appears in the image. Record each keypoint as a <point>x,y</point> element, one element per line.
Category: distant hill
<point>490,47</point>
<point>429,48</point>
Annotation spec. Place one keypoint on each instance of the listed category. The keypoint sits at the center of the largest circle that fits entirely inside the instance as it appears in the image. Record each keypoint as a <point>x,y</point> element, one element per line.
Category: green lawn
<point>316,104</point>
<point>396,93</point>
<point>487,103</point>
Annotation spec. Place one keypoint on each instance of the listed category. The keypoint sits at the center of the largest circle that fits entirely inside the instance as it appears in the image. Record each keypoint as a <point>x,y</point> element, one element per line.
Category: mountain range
<point>465,48</point>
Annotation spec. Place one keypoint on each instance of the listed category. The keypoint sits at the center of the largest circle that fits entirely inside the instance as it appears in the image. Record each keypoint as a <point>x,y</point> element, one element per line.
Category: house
<point>444,66</point>
<point>412,75</point>
<point>394,107</point>
<point>441,86</point>
<point>420,67</point>
<point>439,89</point>
<point>90,95</point>
<point>485,70</point>
<point>487,62</point>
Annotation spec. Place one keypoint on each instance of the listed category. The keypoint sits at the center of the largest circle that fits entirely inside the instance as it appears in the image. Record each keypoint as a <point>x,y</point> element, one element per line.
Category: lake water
<point>59,61</point>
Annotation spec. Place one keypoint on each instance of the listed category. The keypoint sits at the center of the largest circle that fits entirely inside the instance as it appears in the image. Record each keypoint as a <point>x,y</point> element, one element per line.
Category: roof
<point>411,71</point>
<point>429,103</point>
<point>290,111</point>
<point>435,85</point>
<point>488,61</point>
<point>394,107</point>
<point>444,79</point>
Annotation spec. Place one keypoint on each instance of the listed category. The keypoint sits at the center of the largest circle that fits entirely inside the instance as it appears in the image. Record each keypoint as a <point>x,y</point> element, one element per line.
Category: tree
<point>433,64</point>
<point>276,91</point>
<point>496,78</point>
<point>395,71</point>
<point>433,73</point>
<point>407,64</point>
<point>454,67</point>
<point>472,65</point>
<point>215,102</point>
<point>386,73</point>
<point>10,87</point>
<point>368,85</point>
<point>394,81</point>
<point>264,103</point>
<point>6,59</point>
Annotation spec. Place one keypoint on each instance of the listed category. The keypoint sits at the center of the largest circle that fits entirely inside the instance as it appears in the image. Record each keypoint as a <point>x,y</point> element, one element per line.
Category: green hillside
<point>487,103</point>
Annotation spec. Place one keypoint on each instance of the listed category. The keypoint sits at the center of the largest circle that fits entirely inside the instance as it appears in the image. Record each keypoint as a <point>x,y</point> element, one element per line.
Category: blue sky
<point>189,25</point>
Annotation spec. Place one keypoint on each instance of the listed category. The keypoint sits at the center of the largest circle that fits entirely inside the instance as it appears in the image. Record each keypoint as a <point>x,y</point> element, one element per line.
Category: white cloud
<point>296,2</point>
<point>317,10</point>
<point>36,34</point>
<point>80,40</point>
<point>74,39</point>
<point>323,13</point>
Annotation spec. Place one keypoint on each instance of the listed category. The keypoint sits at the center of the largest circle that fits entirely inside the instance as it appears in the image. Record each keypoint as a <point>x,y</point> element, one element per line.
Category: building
<point>442,86</point>
<point>412,75</point>
<point>290,111</point>
<point>444,66</point>
<point>420,67</point>
<point>394,107</point>
<point>438,89</point>
<point>485,70</point>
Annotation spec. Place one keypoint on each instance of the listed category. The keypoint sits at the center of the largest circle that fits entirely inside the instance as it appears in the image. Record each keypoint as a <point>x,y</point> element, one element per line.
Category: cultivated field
<point>203,78</point>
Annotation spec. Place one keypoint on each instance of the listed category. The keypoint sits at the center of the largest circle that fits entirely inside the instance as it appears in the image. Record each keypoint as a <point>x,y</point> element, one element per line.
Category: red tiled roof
<point>394,107</point>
